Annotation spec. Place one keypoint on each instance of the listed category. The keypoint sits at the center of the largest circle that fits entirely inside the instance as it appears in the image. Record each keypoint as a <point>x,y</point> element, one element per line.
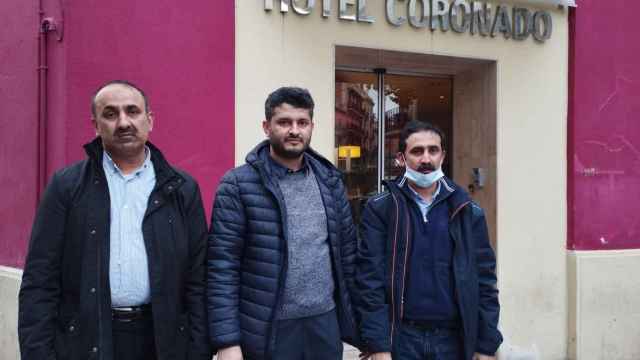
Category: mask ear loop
<point>403,160</point>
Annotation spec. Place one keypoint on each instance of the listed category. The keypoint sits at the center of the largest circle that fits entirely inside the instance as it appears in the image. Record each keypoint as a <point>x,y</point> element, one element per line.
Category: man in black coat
<point>425,268</point>
<point>282,246</point>
<point>115,268</point>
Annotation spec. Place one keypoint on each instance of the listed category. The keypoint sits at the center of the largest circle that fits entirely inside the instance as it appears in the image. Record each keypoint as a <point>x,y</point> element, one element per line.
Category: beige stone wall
<point>274,50</point>
<point>9,286</point>
<point>605,305</point>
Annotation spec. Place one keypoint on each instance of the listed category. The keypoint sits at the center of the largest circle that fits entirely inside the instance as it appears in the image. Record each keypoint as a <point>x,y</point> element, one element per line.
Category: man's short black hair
<point>294,96</point>
<point>118,82</point>
<point>415,126</point>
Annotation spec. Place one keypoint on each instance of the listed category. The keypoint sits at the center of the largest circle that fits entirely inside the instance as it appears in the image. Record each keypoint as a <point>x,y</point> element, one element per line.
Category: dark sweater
<point>430,294</point>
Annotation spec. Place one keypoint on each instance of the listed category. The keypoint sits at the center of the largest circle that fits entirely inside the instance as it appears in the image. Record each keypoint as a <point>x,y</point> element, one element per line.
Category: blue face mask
<point>423,180</point>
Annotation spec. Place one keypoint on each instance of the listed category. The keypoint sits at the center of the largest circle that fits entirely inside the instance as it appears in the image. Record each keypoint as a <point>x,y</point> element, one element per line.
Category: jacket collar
<point>281,171</point>
<point>456,196</point>
<point>164,171</point>
<point>323,168</point>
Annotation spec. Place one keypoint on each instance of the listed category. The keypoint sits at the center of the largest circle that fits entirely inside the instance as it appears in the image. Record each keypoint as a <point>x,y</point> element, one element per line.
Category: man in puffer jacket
<point>282,247</point>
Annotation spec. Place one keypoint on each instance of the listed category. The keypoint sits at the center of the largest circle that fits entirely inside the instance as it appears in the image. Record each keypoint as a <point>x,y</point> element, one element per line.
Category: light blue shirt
<point>128,266</point>
<point>423,204</point>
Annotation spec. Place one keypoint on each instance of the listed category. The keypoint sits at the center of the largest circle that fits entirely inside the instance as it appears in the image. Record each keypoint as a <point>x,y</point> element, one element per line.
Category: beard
<point>279,148</point>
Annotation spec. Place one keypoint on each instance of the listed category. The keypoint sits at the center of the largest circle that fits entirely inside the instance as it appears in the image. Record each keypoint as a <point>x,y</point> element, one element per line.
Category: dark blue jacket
<point>247,258</point>
<point>382,270</point>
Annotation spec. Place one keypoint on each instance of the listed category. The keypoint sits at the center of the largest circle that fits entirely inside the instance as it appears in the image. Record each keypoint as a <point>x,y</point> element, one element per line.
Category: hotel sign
<point>460,16</point>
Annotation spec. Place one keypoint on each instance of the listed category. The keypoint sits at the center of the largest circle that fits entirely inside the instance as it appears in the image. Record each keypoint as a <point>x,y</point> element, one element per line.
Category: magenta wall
<point>18,126</point>
<point>604,126</point>
<point>181,53</point>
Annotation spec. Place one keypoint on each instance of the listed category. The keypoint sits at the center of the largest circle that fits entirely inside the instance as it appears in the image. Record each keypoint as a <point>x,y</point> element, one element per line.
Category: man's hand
<point>478,356</point>
<point>230,353</point>
<point>376,356</point>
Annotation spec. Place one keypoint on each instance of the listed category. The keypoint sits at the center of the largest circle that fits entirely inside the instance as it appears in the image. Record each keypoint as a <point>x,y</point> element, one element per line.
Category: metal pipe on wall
<point>46,25</point>
<point>42,107</point>
<point>381,124</point>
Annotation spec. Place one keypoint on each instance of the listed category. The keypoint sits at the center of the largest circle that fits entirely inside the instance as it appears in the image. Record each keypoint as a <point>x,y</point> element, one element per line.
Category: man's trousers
<point>133,339</point>
<point>428,343</point>
<point>311,338</point>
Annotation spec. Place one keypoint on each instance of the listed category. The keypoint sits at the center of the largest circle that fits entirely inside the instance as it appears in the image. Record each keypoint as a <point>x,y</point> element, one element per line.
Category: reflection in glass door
<point>360,152</point>
<point>356,130</point>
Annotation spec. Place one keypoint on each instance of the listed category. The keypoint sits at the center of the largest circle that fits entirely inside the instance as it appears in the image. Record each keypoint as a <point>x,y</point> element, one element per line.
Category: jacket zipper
<point>99,295</point>
<point>462,206</point>
<point>283,272</point>
<point>393,271</point>
<point>458,209</point>
<point>406,257</point>
<point>99,245</point>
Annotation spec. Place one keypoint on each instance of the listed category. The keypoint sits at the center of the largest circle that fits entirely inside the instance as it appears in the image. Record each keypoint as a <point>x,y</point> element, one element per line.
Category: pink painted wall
<point>604,126</point>
<point>181,54</point>
<point>18,126</point>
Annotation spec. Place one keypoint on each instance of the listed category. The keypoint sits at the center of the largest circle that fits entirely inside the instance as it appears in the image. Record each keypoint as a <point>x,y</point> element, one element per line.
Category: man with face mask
<point>425,267</point>
<point>282,246</point>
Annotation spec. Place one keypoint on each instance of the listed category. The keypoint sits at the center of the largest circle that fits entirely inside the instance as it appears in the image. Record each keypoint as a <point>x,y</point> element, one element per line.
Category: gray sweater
<point>309,282</point>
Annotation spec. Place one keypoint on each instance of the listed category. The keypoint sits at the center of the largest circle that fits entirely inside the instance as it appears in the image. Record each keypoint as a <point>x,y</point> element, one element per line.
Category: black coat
<point>382,270</point>
<point>247,257</point>
<point>65,299</point>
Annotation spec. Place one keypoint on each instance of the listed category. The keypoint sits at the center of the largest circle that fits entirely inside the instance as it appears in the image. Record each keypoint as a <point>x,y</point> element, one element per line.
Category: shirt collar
<point>112,168</point>
<point>419,199</point>
<point>281,171</point>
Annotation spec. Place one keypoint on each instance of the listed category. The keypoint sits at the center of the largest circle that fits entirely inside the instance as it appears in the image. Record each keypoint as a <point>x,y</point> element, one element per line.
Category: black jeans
<point>312,338</point>
<point>414,343</point>
<point>134,340</point>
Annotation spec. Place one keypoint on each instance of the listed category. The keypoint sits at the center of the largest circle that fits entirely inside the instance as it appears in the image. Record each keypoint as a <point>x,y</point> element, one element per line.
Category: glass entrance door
<point>368,124</point>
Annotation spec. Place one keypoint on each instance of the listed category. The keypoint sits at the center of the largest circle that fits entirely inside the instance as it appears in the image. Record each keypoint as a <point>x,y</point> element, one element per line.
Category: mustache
<point>426,167</point>
<point>125,132</point>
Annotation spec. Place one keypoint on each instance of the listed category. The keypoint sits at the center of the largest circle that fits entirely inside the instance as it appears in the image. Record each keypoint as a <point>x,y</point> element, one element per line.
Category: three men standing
<point>282,247</point>
<point>115,268</point>
<point>426,270</point>
<point>116,263</point>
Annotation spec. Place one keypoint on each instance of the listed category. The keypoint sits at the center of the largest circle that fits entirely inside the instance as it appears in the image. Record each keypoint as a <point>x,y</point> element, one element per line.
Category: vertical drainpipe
<point>42,107</point>
<point>46,25</point>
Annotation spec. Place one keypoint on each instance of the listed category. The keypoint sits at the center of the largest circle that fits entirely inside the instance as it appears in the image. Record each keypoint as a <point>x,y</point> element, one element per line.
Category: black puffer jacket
<point>65,299</point>
<point>247,257</point>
